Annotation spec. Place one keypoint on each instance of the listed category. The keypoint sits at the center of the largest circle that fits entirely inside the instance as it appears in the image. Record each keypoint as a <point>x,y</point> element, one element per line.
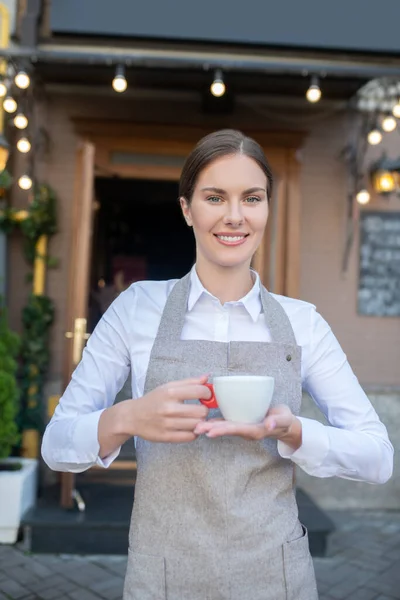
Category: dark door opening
<point>139,233</point>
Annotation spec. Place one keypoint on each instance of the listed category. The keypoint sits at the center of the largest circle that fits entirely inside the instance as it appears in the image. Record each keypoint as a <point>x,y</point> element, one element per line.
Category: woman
<point>215,516</point>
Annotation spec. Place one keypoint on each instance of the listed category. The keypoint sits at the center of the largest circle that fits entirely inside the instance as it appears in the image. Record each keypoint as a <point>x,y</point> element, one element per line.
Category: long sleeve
<point>355,445</point>
<point>70,442</point>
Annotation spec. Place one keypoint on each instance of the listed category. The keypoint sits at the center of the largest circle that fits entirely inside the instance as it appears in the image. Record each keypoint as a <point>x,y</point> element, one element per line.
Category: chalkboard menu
<point>379,281</point>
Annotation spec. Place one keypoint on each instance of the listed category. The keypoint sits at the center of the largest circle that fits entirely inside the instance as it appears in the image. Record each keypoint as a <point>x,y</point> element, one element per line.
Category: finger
<point>277,422</point>
<point>252,431</point>
<point>189,411</point>
<point>183,424</point>
<point>189,392</point>
<point>180,437</point>
<point>205,426</point>
<point>191,380</point>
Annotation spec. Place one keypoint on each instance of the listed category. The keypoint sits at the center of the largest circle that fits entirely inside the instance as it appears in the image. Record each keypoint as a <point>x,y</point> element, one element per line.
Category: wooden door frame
<point>176,141</point>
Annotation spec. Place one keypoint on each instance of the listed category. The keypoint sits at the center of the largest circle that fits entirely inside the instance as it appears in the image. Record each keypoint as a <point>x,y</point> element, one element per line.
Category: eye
<point>214,199</point>
<point>253,199</point>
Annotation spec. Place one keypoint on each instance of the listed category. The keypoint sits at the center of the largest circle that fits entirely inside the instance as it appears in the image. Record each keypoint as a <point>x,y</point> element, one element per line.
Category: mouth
<point>230,239</point>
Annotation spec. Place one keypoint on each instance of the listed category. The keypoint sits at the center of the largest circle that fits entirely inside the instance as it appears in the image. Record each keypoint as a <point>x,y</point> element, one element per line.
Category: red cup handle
<point>212,402</point>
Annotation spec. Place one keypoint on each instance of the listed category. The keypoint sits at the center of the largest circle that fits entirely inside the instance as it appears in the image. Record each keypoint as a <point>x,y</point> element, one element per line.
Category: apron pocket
<point>145,577</point>
<point>299,570</point>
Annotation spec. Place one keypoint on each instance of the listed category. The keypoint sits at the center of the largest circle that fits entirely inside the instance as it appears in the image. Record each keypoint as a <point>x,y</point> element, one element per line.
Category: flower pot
<point>18,491</point>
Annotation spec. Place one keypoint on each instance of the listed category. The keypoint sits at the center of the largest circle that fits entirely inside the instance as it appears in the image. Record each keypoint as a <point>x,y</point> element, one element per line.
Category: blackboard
<point>379,277</point>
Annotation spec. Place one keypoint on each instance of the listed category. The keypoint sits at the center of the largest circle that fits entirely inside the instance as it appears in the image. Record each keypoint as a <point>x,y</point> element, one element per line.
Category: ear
<point>186,211</point>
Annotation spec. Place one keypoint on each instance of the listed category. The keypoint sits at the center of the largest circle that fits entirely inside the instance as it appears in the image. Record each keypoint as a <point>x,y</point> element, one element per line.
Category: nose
<point>234,214</point>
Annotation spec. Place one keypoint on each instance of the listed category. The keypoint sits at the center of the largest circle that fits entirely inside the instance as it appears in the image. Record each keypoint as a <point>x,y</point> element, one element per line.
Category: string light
<point>22,80</point>
<point>314,93</point>
<point>9,104</point>
<point>389,124</point>
<point>24,145</point>
<point>396,110</point>
<point>218,87</point>
<point>25,182</point>
<point>374,137</point>
<point>119,82</point>
<point>3,89</point>
<point>363,197</point>
<point>20,121</point>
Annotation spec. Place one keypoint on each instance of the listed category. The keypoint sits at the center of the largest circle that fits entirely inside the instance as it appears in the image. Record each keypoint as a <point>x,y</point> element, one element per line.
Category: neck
<point>228,284</point>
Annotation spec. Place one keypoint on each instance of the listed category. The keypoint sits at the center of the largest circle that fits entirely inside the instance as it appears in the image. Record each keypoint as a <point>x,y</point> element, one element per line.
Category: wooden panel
<point>94,129</point>
<point>78,289</point>
<point>269,260</point>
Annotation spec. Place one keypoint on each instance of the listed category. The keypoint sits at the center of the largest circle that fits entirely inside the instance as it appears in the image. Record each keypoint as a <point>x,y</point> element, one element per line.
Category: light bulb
<point>3,89</point>
<point>313,93</point>
<point>374,137</point>
<point>9,104</point>
<point>119,82</point>
<point>22,80</point>
<point>389,124</point>
<point>218,87</point>
<point>396,110</point>
<point>387,182</point>
<point>20,121</point>
<point>23,145</point>
<point>25,182</point>
<point>363,197</point>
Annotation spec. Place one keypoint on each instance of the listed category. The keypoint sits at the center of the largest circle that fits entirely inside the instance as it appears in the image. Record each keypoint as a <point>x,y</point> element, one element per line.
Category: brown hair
<point>216,145</point>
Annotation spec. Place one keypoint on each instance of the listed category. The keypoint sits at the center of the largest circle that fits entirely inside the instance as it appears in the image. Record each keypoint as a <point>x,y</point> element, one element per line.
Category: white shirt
<point>355,446</point>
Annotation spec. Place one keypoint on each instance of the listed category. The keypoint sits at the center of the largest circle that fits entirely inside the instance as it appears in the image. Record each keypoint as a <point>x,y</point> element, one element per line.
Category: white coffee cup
<point>241,398</point>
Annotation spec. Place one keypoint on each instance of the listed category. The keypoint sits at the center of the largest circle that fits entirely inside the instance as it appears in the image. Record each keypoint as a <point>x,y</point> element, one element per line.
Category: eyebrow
<point>221,191</point>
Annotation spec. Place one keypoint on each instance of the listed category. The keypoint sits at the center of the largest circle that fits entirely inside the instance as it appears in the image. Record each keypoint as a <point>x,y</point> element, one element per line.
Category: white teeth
<point>229,238</point>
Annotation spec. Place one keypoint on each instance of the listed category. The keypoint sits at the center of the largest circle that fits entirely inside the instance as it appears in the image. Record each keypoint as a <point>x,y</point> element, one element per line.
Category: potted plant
<point>18,476</point>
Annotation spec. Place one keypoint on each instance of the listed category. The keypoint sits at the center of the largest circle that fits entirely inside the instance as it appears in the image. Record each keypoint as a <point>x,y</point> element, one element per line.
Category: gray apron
<point>216,519</point>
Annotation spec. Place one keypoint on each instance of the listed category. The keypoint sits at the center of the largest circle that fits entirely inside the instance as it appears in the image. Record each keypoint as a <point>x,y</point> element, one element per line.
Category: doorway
<point>138,233</point>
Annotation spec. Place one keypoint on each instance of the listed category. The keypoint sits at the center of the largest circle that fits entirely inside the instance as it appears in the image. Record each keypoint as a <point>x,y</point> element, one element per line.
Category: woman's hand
<point>162,416</point>
<point>280,424</point>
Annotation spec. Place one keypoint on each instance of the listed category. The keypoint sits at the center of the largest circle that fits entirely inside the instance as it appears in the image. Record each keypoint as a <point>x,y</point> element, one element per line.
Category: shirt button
<point>289,357</point>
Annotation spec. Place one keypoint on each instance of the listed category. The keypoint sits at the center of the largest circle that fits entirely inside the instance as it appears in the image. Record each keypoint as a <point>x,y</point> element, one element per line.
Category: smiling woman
<point>216,496</point>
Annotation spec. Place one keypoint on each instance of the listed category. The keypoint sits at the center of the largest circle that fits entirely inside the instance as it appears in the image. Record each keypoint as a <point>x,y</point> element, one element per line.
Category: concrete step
<point>103,527</point>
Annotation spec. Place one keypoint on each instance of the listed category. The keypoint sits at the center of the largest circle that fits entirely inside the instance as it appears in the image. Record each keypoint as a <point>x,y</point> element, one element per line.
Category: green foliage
<point>9,392</point>
<point>38,314</point>
<point>6,179</point>
<point>42,220</point>
<point>37,318</point>
<point>7,221</point>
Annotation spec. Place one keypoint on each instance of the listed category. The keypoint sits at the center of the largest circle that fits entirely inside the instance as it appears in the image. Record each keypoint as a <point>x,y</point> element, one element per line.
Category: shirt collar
<point>251,302</point>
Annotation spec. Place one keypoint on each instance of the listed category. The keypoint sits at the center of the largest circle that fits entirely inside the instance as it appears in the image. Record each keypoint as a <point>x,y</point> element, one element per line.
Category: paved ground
<point>363,563</point>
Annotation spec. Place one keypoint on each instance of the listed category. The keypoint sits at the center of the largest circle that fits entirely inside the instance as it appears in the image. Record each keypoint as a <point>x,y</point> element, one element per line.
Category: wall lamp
<point>385,175</point>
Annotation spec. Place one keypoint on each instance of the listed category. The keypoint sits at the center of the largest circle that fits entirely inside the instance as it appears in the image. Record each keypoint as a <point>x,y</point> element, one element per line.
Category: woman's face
<point>229,211</point>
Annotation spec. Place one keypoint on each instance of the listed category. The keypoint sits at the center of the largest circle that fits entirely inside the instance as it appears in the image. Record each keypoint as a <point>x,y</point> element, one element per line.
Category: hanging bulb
<point>20,121</point>
<point>374,137</point>
<point>119,82</point>
<point>9,104</point>
<point>218,87</point>
<point>23,145</point>
<point>25,182</point>
<point>3,89</point>
<point>314,93</point>
<point>389,124</point>
<point>396,110</point>
<point>363,197</point>
<point>22,80</point>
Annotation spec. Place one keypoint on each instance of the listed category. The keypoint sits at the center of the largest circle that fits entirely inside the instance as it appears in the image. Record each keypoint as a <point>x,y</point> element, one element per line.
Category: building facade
<point>103,146</point>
